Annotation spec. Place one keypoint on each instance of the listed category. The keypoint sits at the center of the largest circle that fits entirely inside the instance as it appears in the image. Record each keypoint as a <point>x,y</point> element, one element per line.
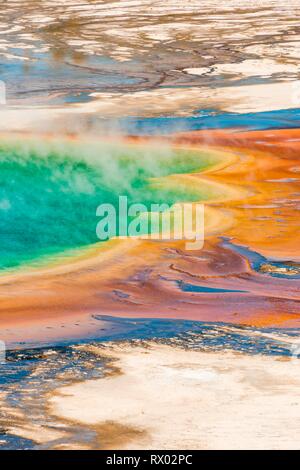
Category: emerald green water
<point>49,191</point>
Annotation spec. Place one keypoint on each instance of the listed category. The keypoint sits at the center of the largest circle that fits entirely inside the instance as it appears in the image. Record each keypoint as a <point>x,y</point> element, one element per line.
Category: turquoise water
<point>49,191</point>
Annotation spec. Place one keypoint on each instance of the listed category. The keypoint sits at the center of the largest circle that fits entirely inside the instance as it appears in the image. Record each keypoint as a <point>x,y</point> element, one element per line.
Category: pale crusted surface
<point>188,399</point>
<point>145,58</point>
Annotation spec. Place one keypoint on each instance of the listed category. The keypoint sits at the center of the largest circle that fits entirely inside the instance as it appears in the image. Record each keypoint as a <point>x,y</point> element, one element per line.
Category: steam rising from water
<point>50,190</point>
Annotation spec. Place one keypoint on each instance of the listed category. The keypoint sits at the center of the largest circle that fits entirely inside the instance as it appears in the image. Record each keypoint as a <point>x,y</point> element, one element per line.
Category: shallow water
<point>100,45</point>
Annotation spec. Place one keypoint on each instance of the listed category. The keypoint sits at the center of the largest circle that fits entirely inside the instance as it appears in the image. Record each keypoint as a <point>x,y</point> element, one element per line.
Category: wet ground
<point>53,53</point>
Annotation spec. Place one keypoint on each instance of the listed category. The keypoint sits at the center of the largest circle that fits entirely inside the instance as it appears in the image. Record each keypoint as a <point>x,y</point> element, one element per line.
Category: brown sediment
<point>113,435</point>
<point>258,209</point>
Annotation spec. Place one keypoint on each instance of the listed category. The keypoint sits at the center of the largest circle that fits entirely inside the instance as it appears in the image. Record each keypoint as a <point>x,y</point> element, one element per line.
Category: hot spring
<point>50,190</point>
